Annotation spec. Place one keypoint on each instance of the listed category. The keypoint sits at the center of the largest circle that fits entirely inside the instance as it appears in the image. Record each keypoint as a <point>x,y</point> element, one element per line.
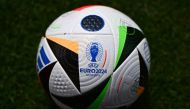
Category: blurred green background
<point>166,24</point>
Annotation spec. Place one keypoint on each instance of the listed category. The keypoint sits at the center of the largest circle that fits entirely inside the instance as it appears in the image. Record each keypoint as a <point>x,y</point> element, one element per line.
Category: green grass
<point>166,24</point>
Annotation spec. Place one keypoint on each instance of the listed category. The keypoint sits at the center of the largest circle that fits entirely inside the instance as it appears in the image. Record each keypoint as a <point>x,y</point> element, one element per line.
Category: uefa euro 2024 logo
<point>94,51</point>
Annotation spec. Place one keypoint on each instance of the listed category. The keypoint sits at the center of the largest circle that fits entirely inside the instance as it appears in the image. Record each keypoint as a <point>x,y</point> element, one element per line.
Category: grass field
<point>166,24</point>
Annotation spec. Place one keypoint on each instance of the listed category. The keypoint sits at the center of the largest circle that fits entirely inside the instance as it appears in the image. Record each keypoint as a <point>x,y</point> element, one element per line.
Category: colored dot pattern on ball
<point>92,23</point>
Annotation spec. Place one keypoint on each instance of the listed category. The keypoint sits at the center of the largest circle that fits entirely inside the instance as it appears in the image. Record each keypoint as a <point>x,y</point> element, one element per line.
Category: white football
<point>93,57</point>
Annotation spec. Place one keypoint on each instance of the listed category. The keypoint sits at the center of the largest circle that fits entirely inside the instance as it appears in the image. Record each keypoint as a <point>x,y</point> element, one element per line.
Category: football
<point>93,57</point>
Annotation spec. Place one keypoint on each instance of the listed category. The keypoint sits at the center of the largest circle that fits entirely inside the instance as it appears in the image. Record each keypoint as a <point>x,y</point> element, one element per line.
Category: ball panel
<point>69,44</point>
<point>95,67</point>
<point>123,79</point>
<point>84,100</point>
<point>133,38</point>
<point>44,76</point>
<point>98,102</point>
<point>63,24</point>
<point>60,25</point>
<point>122,39</point>
<point>104,60</point>
<point>114,17</point>
<point>129,79</point>
<point>60,83</point>
<point>143,48</point>
<point>143,71</point>
<point>44,55</point>
<point>68,60</point>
